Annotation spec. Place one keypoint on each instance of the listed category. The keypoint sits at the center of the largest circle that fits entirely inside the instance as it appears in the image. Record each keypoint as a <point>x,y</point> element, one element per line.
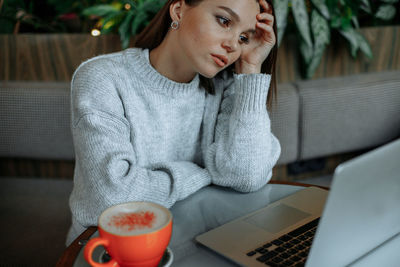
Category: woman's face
<point>212,34</point>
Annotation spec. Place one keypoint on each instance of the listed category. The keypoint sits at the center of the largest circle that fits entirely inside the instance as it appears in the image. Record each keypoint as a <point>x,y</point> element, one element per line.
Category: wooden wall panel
<point>54,57</point>
<point>49,57</point>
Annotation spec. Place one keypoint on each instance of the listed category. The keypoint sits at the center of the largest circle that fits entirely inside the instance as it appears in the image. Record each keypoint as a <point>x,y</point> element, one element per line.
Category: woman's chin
<point>209,76</point>
<point>210,73</point>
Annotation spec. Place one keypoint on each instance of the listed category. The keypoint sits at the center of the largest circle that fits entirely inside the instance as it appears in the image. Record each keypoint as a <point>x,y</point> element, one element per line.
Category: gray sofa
<point>312,119</point>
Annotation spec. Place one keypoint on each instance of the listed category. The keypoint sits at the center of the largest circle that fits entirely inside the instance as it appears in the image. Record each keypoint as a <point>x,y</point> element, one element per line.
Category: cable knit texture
<point>139,136</point>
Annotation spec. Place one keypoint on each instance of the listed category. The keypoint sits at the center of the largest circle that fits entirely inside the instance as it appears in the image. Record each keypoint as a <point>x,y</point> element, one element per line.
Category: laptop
<point>355,223</point>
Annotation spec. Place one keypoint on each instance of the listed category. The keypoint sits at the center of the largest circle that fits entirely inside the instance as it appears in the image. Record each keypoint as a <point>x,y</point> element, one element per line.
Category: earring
<point>175,25</point>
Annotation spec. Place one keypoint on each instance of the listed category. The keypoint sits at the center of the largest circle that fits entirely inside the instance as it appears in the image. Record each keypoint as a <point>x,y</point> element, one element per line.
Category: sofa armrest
<point>285,122</point>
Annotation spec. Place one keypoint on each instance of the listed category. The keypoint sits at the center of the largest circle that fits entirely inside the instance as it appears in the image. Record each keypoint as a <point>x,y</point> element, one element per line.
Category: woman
<point>156,123</point>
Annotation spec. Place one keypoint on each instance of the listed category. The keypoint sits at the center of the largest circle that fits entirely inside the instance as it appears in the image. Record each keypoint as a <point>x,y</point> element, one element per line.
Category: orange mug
<point>135,234</point>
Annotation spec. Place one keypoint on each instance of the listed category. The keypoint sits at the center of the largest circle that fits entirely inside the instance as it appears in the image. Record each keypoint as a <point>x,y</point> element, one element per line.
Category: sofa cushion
<point>35,120</point>
<point>350,113</point>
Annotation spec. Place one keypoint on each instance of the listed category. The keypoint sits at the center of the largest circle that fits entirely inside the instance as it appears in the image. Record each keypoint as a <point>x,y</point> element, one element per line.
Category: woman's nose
<point>230,44</point>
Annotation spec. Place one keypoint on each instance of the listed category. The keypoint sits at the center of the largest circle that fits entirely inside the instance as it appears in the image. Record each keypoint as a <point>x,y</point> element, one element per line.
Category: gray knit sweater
<point>140,136</point>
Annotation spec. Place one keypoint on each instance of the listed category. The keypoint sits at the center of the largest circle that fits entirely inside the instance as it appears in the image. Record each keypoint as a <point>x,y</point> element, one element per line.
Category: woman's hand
<point>260,45</point>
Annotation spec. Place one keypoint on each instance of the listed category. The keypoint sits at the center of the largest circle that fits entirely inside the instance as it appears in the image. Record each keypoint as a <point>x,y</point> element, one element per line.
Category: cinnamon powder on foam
<point>132,221</point>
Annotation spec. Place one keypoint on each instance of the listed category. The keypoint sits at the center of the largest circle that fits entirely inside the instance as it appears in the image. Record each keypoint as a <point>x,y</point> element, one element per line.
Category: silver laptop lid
<point>362,211</point>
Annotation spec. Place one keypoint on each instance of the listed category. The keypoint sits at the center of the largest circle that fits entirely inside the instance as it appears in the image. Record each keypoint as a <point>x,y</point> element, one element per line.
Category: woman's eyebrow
<point>231,12</point>
<point>235,17</point>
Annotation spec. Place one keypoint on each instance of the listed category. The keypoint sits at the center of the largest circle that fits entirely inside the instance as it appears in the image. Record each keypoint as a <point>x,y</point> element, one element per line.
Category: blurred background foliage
<point>317,22</point>
<point>46,16</point>
<point>314,22</point>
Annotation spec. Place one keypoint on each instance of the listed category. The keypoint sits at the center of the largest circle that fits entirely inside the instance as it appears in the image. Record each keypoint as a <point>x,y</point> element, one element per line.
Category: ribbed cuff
<point>191,184</point>
<point>185,176</point>
<point>251,92</point>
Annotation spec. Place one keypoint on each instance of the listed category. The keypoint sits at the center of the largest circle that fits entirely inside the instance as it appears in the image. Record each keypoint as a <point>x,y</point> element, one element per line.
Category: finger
<point>268,32</point>
<point>264,27</point>
<point>265,6</point>
<point>266,17</point>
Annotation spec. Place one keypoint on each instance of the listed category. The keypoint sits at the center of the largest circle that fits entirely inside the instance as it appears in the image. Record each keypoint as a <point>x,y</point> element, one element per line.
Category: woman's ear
<point>176,10</point>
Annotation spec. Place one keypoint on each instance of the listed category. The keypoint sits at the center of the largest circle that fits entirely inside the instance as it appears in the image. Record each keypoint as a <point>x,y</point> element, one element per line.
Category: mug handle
<point>89,248</point>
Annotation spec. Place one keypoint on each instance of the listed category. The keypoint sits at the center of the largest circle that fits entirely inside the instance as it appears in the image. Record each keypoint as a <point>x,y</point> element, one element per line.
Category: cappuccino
<point>134,218</point>
<point>133,233</point>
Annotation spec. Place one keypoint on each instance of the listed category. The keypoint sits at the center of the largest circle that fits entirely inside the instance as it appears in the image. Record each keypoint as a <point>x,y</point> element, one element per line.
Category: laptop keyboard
<point>290,249</point>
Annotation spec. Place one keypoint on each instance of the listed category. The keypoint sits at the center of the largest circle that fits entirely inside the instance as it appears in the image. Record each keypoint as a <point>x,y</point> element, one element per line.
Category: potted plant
<point>315,21</point>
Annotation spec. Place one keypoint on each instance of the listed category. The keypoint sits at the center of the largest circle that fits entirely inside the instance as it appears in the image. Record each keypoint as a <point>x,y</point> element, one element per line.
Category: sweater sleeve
<point>106,170</point>
<point>244,149</point>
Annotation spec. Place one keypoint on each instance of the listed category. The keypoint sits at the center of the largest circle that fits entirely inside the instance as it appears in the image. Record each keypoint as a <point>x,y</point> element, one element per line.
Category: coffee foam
<point>134,218</point>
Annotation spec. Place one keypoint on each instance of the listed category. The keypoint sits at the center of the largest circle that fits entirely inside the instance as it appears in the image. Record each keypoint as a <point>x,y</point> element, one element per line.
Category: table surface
<point>206,209</point>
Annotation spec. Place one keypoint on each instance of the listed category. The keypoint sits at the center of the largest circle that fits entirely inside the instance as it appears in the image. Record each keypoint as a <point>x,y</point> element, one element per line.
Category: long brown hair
<point>154,33</point>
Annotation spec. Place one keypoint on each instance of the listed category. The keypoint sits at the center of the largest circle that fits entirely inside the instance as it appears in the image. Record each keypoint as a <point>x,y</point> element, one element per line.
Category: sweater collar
<point>139,59</point>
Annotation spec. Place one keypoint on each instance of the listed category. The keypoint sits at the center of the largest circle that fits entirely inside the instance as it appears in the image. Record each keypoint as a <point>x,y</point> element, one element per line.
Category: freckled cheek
<point>196,37</point>
<point>206,34</point>
<point>193,34</point>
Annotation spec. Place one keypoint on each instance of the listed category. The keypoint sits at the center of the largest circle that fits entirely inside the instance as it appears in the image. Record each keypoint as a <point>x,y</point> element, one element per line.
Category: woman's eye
<point>244,39</point>
<point>223,21</point>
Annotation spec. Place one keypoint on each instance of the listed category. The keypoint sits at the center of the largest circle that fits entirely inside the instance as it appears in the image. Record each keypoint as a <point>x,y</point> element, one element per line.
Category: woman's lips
<point>220,60</point>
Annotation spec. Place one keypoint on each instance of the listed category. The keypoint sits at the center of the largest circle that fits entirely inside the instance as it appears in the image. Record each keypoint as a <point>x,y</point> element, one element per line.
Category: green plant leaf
<point>364,45</point>
<point>366,6</point>
<point>152,6</point>
<point>350,35</point>
<point>306,52</point>
<point>100,10</point>
<point>345,23</point>
<point>321,6</point>
<point>301,18</point>
<point>281,12</point>
<point>321,34</point>
<point>138,21</point>
<point>355,22</point>
<point>320,28</point>
<point>390,1</point>
<point>123,30</point>
<point>386,12</point>
<point>336,22</point>
<point>111,22</point>
<point>145,10</point>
